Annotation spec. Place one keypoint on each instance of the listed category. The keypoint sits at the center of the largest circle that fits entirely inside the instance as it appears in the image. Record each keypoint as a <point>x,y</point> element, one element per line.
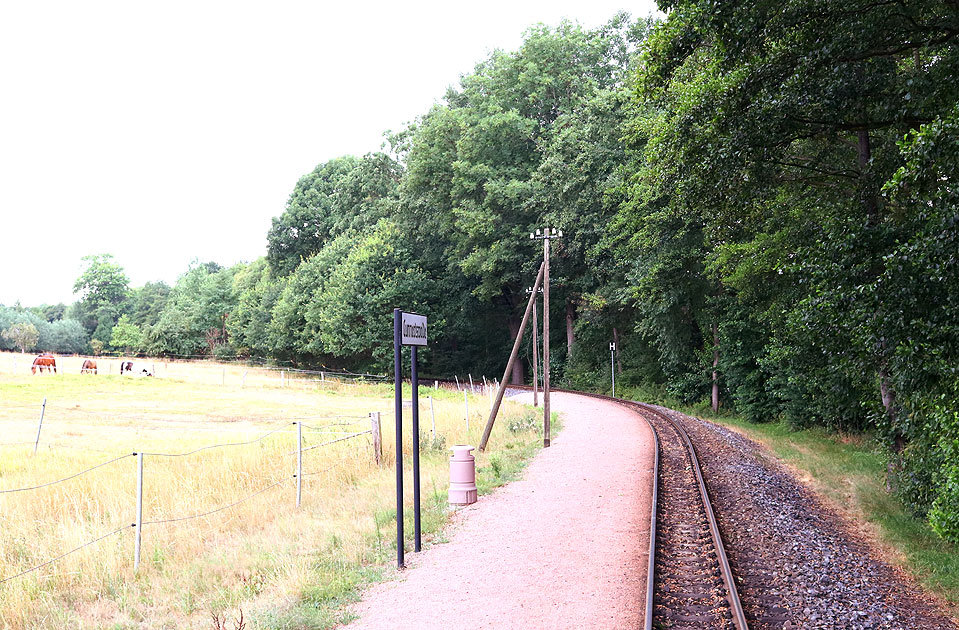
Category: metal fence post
<point>433,419</point>
<point>299,463</point>
<point>43,408</point>
<point>377,437</point>
<point>139,522</point>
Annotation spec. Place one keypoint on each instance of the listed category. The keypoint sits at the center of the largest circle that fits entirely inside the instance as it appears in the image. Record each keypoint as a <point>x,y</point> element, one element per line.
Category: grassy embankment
<point>285,568</point>
<point>849,471</point>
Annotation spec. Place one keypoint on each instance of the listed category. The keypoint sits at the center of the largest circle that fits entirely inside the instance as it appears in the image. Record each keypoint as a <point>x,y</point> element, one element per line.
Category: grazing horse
<point>45,361</point>
<point>89,367</point>
<point>137,370</point>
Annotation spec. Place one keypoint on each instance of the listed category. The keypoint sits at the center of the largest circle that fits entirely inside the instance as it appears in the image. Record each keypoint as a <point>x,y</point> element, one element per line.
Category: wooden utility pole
<point>546,236</point>
<point>546,343</point>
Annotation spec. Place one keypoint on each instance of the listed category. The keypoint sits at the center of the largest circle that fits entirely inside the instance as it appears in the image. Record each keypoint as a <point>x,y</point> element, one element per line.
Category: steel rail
<point>732,594</point>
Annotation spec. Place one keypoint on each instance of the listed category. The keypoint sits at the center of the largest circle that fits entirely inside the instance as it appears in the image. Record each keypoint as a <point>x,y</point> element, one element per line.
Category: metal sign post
<point>409,329</point>
<point>612,365</point>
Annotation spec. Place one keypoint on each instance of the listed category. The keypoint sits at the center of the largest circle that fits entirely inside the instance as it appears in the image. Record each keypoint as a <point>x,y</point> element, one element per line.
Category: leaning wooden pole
<point>512,358</point>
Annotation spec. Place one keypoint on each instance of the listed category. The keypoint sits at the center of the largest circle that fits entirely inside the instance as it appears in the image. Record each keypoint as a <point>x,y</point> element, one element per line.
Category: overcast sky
<point>167,131</point>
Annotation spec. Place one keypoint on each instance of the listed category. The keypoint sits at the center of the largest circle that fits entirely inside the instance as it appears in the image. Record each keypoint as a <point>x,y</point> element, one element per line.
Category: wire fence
<point>137,526</point>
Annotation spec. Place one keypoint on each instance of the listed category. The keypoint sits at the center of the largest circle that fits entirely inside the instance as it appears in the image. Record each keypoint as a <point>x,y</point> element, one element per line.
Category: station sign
<point>413,329</point>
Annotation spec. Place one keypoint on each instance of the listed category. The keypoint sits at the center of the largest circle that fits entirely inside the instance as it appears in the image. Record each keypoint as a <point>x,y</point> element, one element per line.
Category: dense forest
<point>759,200</point>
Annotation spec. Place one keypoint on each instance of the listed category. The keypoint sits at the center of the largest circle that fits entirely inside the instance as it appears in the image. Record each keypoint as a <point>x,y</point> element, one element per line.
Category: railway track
<point>690,583</point>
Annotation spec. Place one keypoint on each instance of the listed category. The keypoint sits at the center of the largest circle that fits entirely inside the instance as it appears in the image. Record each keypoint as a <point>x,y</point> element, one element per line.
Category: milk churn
<point>462,476</point>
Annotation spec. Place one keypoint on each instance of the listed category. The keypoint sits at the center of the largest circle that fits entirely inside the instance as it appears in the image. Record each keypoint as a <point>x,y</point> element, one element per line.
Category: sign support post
<point>414,380</point>
<point>409,329</point>
<point>398,412</point>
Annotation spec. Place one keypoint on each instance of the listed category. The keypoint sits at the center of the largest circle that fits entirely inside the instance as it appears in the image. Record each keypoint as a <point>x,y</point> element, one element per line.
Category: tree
<point>126,336</point>
<point>24,336</point>
<point>342,194</point>
<point>476,163</point>
<point>102,287</point>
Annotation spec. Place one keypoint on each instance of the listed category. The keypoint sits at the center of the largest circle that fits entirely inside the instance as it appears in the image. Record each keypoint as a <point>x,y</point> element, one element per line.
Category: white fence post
<point>299,463</point>
<point>43,408</point>
<point>139,523</point>
<point>471,382</point>
<point>433,418</point>
<point>377,436</point>
<point>457,381</point>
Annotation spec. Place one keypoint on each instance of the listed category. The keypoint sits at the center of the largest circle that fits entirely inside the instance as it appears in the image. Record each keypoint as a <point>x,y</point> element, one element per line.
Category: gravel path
<point>565,547</point>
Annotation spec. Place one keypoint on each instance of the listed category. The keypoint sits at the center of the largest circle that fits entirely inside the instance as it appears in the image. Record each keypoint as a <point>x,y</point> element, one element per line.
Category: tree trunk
<point>570,335</point>
<point>715,368</point>
<point>888,396</point>
<point>518,375</point>
<point>869,200</point>
<point>619,363</point>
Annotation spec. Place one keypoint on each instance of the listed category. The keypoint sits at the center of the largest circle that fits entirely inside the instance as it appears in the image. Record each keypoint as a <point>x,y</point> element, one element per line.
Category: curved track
<point>690,583</point>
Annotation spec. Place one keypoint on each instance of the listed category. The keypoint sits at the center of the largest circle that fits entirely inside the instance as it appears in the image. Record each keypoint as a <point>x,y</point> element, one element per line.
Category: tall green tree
<point>102,289</point>
<point>474,161</point>
<point>342,194</point>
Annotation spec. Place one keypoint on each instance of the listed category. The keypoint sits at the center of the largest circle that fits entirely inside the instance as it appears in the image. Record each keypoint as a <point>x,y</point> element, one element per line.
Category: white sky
<point>167,131</point>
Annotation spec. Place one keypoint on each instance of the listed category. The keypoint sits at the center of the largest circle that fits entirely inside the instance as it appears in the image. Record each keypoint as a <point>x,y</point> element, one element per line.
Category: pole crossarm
<point>512,358</point>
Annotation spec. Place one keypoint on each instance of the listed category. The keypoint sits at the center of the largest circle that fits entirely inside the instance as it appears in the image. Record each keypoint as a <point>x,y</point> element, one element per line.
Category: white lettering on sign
<point>413,330</point>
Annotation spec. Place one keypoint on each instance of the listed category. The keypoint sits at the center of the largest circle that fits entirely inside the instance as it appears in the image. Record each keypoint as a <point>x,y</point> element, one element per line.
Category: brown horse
<point>89,367</point>
<point>45,361</point>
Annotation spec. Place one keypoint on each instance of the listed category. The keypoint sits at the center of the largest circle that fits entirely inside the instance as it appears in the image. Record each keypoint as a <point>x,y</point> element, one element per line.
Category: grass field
<point>283,567</point>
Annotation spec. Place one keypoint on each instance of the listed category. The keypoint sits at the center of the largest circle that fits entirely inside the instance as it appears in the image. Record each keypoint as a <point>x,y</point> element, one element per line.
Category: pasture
<point>221,531</point>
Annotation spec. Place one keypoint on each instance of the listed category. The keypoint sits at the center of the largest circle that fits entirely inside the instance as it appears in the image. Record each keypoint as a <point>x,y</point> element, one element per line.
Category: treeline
<point>759,203</point>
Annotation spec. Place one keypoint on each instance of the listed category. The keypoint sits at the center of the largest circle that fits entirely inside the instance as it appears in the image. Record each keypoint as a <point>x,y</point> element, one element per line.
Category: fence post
<point>299,463</point>
<point>283,378</point>
<point>433,419</point>
<point>457,381</point>
<point>466,401</point>
<point>223,377</point>
<point>471,382</point>
<point>243,383</point>
<point>436,384</point>
<point>43,408</point>
<point>323,377</point>
<point>139,523</point>
<point>377,437</point>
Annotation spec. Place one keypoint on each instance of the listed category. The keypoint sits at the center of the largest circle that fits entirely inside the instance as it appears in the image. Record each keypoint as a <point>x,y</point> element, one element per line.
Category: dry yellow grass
<point>262,554</point>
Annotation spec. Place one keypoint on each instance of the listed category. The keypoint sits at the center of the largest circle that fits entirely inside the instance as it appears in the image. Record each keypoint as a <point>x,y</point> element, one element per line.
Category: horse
<point>89,367</point>
<point>137,370</point>
<point>45,361</point>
